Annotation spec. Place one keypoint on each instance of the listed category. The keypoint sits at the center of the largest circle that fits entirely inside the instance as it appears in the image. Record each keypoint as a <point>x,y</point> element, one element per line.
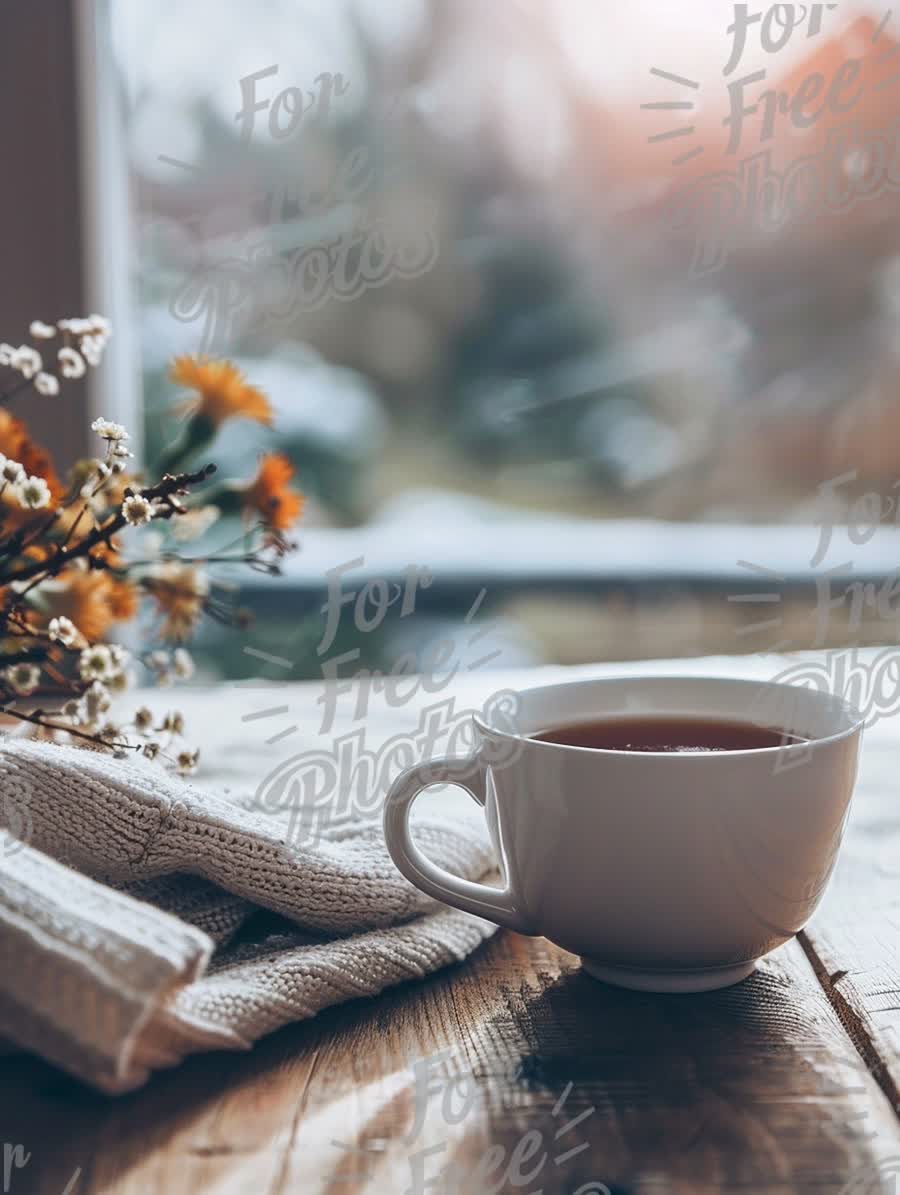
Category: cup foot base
<point>704,980</point>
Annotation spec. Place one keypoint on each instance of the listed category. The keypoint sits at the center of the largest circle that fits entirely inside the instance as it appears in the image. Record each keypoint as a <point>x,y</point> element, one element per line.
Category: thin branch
<point>38,532</point>
<point>162,491</point>
<point>37,718</point>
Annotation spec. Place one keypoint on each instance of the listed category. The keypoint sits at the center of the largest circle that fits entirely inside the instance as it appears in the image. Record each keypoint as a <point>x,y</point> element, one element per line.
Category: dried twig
<point>164,491</point>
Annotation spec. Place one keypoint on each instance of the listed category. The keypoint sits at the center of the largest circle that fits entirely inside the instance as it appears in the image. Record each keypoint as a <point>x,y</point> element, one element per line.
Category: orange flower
<point>16,444</point>
<point>123,600</point>
<point>93,601</point>
<point>222,391</point>
<point>180,591</point>
<point>269,495</point>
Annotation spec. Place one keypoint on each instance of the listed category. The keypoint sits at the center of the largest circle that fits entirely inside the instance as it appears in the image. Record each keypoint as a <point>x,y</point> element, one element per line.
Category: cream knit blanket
<point>142,920</point>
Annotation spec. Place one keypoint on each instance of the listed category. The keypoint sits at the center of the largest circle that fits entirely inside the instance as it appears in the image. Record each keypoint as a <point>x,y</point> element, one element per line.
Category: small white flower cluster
<point>87,713</point>
<point>186,758</point>
<point>104,667</point>
<point>166,667</point>
<point>117,452</point>
<point>64,631</point>
<point>71,363</point>
<point>114,433</point>
<point>138,510</point>
<point>26,359</point>
<point>31,493</point>
<point>89,336</point>
<point>94,702</point>
<point>107,663</point>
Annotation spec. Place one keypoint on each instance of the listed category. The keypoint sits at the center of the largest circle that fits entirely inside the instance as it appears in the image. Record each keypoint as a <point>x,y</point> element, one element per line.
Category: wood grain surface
<point>514,1071</point>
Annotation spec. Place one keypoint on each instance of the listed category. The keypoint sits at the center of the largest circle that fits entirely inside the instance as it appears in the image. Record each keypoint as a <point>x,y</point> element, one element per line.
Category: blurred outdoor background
<point>474,254</point>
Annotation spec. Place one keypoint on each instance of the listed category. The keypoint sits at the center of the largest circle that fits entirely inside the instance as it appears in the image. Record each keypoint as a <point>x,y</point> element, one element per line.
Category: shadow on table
<point>751,1089</point>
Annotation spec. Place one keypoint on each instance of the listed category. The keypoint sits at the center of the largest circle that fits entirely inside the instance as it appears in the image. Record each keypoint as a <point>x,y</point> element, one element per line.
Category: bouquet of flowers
<point>74,561</point>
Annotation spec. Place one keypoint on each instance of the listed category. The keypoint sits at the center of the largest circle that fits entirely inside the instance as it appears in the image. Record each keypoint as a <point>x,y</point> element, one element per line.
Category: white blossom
<point>33,493</point>
<point>160,663</point>
<point>92,349</point>
<point>77,327</point>
<point>100,324</point>
<point>143,719</point>
<point>121,681</point>
<point>107,430</point>
<point>71,363</point>
<point>138,510</point>
<point>41,331</point>
<point>174,722</point>
<point>46,383</point>
<point>187,761</point>
<point>6,353</point>
<point>96,663</point>
<point>11,471</point>
<point>64,631</point>
<point>182,663</point>
<point>23,678</point>
<point>97,701</point>
<point>119,654</point>
<point>27,360</point>
<point>121,678</point>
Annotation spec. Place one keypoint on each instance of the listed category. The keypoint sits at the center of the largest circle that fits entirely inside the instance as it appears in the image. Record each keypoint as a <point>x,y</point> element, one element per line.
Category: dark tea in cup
<point>667,734</point>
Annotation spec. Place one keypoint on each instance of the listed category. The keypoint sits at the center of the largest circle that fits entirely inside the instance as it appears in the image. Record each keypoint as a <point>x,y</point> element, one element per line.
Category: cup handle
<point>494,904</point>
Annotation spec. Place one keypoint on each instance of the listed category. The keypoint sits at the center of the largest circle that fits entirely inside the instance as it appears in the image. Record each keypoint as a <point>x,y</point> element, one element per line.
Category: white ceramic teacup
<point>669,872</point>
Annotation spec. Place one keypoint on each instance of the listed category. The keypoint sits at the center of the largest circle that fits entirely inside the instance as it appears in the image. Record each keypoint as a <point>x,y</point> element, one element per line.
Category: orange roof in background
<point>640,173</point>
<point>877,86</point>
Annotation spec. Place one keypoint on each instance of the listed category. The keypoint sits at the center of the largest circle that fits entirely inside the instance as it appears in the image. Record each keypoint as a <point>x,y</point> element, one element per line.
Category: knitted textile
<point>142,920</point>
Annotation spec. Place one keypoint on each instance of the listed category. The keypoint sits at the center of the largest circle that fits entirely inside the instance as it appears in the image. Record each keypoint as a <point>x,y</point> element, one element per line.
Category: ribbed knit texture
<point>132,923</point>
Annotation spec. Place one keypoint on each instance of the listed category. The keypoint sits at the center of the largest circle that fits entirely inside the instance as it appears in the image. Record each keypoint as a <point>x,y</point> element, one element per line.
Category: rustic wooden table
<point>514,1069</point>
